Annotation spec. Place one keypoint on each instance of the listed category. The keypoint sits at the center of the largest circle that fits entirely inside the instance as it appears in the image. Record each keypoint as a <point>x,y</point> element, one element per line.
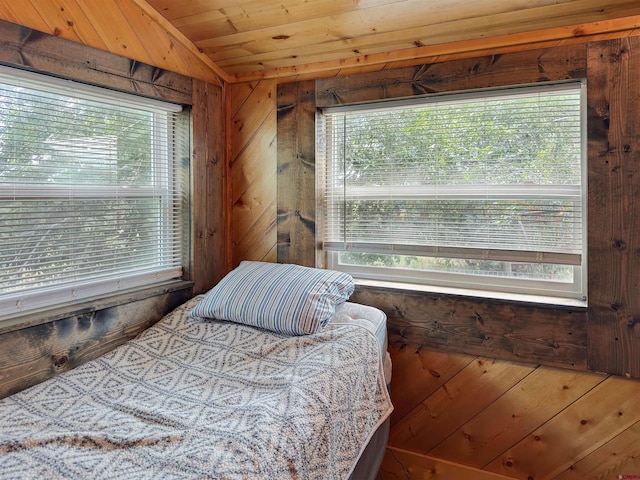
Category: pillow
<point>284,298</point>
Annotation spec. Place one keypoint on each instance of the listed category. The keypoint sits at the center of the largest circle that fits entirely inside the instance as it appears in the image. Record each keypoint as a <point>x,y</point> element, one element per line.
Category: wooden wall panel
<point>32,355</point>
<point>515,422</point>
<point>620,456</point>
<point>599,416</point>
<point>456,402</point>
<point>419,374</point>
<point>614,206</point>
<point>489,71</point>
<point>44,345</point>
<point>606,335</point>
<point>515,414</point>
<point>209,206</point>
<point>521,332</point>
<point>252,158</point>
<point>296,174</point>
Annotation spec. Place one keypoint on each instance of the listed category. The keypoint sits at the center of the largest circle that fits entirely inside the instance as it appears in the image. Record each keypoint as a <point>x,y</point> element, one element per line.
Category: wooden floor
<point>471,418</point>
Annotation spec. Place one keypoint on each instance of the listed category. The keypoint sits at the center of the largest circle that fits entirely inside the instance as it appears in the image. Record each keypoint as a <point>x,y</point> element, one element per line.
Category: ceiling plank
<point>111,24</point>
<point>462,49</point>
<point>180,38</point>
<point>258,15</point>
<point>416,23</point>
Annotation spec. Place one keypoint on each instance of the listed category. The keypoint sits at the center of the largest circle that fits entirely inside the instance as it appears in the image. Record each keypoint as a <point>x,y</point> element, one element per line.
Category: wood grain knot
<point>619,244</point>
<point>59,362</point>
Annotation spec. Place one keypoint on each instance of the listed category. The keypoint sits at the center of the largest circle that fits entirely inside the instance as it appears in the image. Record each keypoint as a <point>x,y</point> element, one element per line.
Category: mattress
<point>190,398</point>
<point>372,319</point>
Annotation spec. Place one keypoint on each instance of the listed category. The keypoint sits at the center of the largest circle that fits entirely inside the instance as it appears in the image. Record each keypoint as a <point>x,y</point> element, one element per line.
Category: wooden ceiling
<point>242,40</point>
<point>257,38</point>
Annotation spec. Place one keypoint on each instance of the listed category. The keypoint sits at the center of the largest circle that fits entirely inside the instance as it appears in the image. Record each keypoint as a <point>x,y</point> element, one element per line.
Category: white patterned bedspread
<point>203,399</point>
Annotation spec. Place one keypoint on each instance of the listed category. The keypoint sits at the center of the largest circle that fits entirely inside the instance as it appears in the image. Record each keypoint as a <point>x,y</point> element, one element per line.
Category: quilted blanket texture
<point>203,399</point>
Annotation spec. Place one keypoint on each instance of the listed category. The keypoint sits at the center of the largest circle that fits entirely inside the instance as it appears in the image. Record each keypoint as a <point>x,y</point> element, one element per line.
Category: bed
<point>291,384</point>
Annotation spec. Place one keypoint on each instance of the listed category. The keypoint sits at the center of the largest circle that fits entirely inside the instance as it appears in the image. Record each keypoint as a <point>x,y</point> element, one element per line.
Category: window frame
<point>544,291</point>
<point>165,185</point>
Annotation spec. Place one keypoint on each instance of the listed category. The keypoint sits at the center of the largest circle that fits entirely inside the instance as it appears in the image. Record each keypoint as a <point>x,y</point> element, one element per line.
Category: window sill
<point>38,317</point>
<point>474,293</point>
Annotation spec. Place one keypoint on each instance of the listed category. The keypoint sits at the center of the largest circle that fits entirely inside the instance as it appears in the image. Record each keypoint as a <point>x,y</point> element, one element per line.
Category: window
<point>91,195</point>
<point>479,190</point>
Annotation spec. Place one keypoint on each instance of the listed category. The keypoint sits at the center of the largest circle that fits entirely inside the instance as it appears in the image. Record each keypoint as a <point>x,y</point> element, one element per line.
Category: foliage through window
<point>482,190</point>
<point>90,192</point>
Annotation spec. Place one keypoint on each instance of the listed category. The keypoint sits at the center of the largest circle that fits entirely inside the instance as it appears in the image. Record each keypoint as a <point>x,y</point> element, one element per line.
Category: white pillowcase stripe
<point>284,298</point>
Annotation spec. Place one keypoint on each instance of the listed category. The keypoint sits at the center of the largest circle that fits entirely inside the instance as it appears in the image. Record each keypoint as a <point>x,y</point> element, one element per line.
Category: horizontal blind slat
<point>499,171</point>
<point>88,185</point>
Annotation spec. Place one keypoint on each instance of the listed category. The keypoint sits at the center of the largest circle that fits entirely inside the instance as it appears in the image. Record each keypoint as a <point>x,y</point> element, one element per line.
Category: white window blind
<point>90,196</point>
<point>493,175</point>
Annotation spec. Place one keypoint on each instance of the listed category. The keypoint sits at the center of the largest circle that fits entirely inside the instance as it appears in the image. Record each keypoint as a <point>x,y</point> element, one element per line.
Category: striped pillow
<point>284,298</point>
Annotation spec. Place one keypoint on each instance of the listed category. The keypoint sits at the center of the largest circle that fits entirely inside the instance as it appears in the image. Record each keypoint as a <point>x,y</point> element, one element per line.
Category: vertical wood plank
<point>614,206</point>
<point>209,173</point>
<point>296,173</point>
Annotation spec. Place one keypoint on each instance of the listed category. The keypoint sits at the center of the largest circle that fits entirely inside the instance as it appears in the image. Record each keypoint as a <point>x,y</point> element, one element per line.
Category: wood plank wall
<point>296,173</point>
<point>614,190</point>
<point>491,416</point>
<point>59,340</point>
<point>461,416</point>
<point>253,167</point>
<point>476,387</point>
<point>33,354</point>
<point>605,336</point>
<point>209,174</point>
